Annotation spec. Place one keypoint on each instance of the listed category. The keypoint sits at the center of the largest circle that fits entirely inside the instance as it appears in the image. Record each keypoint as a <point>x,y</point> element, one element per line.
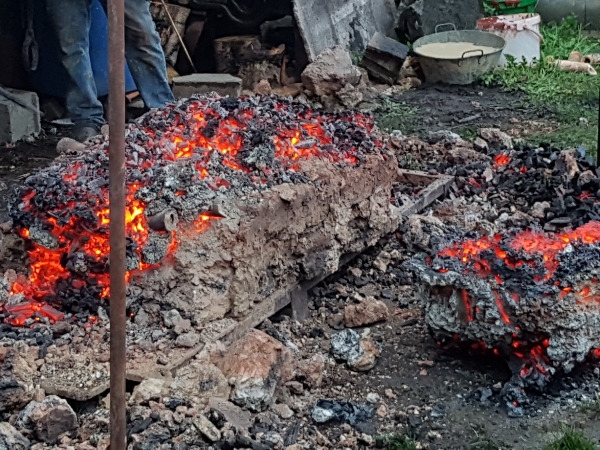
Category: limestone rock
<point>539,209</point>
<point>382,261</point>
<point>360,353</point>
<point>11,439</point>
<point>494,135</point>
<point>198,381</point>
<point>68,146</point>
<point>350,96</point>
<point>365,313</point>
<point>206,427</point>
<point>283,411</point>
<point>240,419</point>
<point>311,370</point>
<point>171,318</point>
<point>188,340</point>
<point>48,419</point>
<point>368,354</point>
<point>257,363</point>
<point>147,390</point>
<point>16,378</point>
<point>566,164</point>
<point>263,87</point>
<point>585,178</point>
<point>330,72</point>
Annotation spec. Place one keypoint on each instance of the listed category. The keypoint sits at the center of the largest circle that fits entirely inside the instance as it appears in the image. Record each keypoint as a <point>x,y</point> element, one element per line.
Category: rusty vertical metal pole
<point>116,122</point>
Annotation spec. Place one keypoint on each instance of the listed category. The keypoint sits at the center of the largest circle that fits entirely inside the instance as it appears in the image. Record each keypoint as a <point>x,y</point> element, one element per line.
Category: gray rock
<point>344,345</point>
<point>11,439</point>
<point>359,353</point>
<point>330,72</point>
<point>171,318</point>
<point>240,419</point>
<point>206,427</point>
<point>147,390</point>
<point>199,381</point>
<point>141,318</point>
<point>49,419</point>
<point>283,411</point>
<point>188,340</point>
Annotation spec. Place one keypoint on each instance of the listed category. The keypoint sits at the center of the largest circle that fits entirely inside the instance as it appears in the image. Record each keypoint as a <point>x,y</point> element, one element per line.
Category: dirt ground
<point>433,387</point>
<point>430,386</point>
<point>463,110</point>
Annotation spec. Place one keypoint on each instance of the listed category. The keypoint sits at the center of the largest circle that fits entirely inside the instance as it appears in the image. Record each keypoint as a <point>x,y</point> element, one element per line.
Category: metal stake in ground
<point>116,119</point>
<point>598,142</point>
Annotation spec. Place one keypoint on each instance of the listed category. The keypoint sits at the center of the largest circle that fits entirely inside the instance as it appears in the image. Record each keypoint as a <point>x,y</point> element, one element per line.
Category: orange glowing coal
<point>501,160</point>
<point>529,243</point>
<point>193,141</point>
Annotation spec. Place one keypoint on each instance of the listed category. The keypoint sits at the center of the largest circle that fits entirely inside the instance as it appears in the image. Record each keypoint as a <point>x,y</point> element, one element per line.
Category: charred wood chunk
<point>164,221</point>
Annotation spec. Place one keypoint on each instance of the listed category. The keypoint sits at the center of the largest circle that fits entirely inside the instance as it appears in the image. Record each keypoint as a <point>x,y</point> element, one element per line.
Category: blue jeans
<point>146,60</point>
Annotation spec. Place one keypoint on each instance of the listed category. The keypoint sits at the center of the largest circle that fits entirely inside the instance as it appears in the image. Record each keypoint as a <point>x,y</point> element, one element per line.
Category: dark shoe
<point>82,133</point>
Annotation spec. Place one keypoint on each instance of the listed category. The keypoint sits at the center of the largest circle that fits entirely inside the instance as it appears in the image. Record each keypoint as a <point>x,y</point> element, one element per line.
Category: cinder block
<point>203,83</point>
<point>17,122</point>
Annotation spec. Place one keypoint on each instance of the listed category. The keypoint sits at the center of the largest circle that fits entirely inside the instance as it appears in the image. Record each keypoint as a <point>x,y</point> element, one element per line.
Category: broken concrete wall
<point>351,24</point>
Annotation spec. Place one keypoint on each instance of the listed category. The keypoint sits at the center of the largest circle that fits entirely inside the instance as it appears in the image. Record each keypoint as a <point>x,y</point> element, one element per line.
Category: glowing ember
<point>177,157</point>
<point>501,160</point>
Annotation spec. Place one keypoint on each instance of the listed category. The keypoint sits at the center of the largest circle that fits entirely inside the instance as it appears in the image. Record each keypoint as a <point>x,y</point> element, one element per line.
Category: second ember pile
<point>532,296</point>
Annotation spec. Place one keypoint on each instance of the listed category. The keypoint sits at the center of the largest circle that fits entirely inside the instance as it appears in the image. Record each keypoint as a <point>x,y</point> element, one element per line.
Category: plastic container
<point>512,6</point>
<point>521,33</point>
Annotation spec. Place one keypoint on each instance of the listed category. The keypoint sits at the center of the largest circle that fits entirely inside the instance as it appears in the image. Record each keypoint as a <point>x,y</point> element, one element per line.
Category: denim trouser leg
<point>144,54</point>
<point>71,22</point>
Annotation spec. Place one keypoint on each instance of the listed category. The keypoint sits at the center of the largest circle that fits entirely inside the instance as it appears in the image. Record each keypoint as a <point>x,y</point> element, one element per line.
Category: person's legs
<point>145,56</point>
<point>71,22</point>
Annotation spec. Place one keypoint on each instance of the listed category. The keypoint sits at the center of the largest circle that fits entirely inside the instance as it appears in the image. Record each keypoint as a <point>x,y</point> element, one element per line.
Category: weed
<point>482,442</point>
<point>571,96</point>
<point>572,440</point>
<point>592,408</point>
<point>394,115</point>
<point>399,441</point>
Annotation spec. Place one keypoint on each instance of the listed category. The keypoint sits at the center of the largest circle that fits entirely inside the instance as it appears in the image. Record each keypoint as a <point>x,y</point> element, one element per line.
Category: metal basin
<point>463,70</point>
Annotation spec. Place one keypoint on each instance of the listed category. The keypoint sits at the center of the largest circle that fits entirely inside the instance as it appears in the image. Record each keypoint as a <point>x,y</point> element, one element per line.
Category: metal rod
<point>598,141</point>
<point>178,35</point>
<point>116,120</point>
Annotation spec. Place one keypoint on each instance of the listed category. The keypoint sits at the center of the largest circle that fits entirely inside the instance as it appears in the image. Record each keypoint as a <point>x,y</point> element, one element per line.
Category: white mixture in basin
<point>453,50</point>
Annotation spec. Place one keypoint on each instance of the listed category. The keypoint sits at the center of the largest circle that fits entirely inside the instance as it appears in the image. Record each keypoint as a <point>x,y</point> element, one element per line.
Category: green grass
<point>570,95</point>
<point>399,441</point>
<point>592,408</point>
<point>572,440</point>
<point>396,115</point>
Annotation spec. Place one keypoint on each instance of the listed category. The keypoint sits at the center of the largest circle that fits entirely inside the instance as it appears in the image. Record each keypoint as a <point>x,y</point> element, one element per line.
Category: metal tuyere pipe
<point>116,120</point>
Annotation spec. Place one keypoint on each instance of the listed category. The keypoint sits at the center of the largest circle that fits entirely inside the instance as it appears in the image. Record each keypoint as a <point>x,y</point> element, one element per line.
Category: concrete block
<point>17,122</point>
<point>349,23</point>
<point>203,83</point>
